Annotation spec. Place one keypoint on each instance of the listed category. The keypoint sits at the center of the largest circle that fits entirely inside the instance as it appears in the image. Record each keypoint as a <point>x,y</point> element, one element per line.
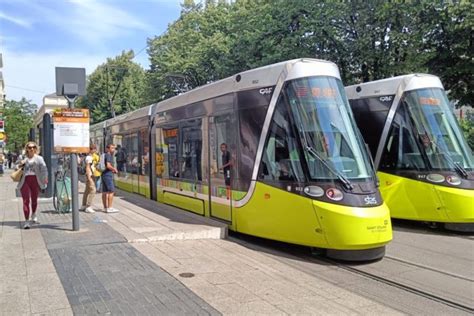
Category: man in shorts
<point>108,188</point>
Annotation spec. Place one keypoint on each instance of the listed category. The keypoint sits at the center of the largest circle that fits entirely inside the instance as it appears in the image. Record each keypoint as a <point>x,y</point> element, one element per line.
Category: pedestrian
<point>34,179</point>
<point>108,188</point>
<point>96,172</point>
<point>10,160</point>
<point>90,190</point>
<point>2,160</point>
<point>121,158</point>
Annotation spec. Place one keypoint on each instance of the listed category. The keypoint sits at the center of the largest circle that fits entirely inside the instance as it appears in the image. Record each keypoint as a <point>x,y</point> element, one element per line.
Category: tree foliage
<point>467,125</point>
<point>119,80</point>
<point>18,116</point>
<point>369,40</point>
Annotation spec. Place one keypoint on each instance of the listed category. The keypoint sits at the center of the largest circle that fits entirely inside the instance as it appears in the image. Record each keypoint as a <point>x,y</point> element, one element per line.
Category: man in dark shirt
<point>108,188</point>
<point>226,165</point>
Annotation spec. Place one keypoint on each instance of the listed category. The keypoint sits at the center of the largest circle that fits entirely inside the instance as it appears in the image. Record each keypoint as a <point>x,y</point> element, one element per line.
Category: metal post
<point>32,135</point>
<point>47,152</point>
<point>74,184</point>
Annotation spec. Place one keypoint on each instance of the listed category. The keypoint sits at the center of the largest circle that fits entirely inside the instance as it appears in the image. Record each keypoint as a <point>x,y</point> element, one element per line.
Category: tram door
<point>144,150</point>
<point>222,135</point>
<point>135,163</point>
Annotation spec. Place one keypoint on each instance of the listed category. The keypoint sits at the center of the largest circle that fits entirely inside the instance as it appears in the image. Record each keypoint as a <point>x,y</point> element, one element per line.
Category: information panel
<point>71,130</point>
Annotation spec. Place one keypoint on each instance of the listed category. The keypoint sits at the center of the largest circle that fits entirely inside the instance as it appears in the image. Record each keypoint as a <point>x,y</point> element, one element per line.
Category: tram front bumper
<point>354,228</point>
<point>458,204</point>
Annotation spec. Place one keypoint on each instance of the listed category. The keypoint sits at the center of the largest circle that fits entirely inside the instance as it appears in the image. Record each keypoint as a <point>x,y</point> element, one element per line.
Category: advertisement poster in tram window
<point>71,130</point>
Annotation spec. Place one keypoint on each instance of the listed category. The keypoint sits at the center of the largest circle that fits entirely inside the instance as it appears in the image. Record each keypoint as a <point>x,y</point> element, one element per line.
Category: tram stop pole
<point>70,83</point>
<point>74,181</point>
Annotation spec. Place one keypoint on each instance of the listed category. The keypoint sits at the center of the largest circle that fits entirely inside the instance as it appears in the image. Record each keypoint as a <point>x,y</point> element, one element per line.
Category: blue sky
<point>38,35</point>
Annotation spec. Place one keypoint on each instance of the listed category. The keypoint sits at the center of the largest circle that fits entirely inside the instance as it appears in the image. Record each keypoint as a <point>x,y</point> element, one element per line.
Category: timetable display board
<point>71,130</point>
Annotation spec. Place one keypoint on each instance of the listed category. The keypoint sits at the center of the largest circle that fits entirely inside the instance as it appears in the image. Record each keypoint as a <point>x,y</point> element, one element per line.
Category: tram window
<point>401,150</point>
<point>280,161</point>
<point>145,152</point>
<point>191,150</point>
<point>250,123</point>
<point>170,136</point>
<point>161,155</point>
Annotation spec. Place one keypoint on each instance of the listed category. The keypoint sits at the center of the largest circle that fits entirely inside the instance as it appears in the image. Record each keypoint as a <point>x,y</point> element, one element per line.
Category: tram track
<point>404,287</point>
<point>424,289</point>
<point>428,268</point>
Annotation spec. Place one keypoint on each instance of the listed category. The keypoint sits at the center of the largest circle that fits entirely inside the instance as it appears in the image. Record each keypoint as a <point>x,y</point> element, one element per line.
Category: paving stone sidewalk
<point>151,259</point>
<point>93,271</point>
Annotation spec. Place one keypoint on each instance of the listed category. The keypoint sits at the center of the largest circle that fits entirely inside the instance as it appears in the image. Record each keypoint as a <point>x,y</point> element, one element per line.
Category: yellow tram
<point>274,152</point>
<point>424,163</point>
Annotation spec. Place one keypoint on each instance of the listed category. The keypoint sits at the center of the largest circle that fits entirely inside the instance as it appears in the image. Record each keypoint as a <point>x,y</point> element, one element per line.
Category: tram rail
<point>358,269</point>
<point>411,289</point>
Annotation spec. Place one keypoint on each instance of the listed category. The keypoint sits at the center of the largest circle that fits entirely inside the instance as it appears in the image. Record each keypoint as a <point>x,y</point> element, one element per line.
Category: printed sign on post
<point>71,130</point>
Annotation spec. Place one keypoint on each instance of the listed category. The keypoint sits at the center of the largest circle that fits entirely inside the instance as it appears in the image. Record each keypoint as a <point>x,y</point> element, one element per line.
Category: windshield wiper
<point>347,184</point>
<point>457,166</point>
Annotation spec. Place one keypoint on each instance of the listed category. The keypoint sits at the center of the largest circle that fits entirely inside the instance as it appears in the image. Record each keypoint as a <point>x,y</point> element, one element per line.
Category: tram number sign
<point>71,130</point>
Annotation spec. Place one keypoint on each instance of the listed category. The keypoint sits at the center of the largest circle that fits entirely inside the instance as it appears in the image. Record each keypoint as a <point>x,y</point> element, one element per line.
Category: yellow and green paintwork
<point>418,200</point>
<point>276,214</point>
<point>131,184</point>
<point>279,215</point>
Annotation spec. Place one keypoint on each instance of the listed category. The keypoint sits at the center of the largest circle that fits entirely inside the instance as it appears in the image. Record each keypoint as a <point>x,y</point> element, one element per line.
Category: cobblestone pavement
<point>95,268</point>
<point>103,274</point>
<point>153,259</point>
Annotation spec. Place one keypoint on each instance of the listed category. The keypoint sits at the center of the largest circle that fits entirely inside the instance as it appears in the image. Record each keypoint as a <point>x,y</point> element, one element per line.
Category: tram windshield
<point>333,148</point>
<point>439,134</point>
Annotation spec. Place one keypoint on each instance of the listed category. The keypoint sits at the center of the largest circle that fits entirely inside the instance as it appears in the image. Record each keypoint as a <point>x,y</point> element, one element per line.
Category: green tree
<point>467,125</point>
<point>448,43</point>
<point>119,81</point>
<point>368,40</point>
<point>18,116</point>
<point>191,52</point>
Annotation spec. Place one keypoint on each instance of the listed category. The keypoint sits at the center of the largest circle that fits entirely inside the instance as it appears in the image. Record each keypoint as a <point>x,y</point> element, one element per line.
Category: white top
<point>29,171</point>
<point>89,161</point>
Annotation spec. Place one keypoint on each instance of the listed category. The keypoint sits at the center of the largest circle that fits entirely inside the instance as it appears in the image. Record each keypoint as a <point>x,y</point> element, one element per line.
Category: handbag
<point>16,175</point>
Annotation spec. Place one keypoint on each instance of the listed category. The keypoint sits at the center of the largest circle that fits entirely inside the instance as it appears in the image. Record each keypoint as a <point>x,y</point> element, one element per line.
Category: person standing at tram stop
<point>226,166</point>
<point>95,171</point>
<point>34,179</point>
<point>108,188</point>
<point>90,190</point>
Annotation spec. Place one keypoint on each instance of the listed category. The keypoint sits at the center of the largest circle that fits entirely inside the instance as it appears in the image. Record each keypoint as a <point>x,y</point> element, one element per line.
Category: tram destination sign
<point>71,130</point>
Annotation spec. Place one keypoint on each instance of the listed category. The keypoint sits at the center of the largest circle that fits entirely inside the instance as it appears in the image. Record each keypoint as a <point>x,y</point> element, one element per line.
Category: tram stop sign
<point>70,82</point>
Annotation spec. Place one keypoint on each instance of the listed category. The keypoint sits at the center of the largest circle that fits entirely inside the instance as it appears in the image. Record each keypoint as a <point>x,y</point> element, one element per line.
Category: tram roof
<point>130,116</point>
<point>392,85</point>
<point>251,79</point>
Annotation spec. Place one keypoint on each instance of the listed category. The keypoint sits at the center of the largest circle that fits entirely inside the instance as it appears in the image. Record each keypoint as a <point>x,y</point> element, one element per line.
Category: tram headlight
<point>314,191</point>
<point>454,180</point>
<point>334,194</point>
<point>435,177</point>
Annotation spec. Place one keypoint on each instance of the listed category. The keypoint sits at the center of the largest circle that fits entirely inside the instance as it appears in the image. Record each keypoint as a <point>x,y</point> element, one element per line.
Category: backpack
<point>101,165</point>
